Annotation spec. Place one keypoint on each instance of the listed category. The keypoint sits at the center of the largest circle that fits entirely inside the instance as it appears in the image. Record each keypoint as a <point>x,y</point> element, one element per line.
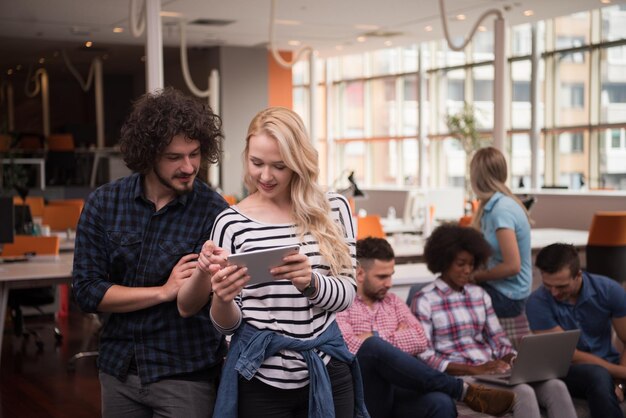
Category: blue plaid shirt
<point>122,240</point>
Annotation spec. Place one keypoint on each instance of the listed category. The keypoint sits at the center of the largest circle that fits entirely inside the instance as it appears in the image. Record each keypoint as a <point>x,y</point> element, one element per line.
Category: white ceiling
<point>30,27</point>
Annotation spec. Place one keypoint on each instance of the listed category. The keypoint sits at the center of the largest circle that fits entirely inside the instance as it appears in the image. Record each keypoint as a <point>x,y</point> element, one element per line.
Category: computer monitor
<point>7,229</point>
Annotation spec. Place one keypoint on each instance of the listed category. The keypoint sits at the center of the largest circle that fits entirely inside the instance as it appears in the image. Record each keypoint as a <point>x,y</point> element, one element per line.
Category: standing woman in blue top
<point>505,224</point>
<point>287,357</point>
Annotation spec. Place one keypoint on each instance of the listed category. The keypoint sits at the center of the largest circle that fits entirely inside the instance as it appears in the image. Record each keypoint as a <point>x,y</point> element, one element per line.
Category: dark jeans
<point>595,384</point>
<point>396,384</point>
<point>503,306</point>
<point>166,398</point>
<point>256,399</point>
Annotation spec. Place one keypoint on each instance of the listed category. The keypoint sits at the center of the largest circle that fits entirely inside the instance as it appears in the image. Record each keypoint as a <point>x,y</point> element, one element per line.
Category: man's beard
<point>169,185</point>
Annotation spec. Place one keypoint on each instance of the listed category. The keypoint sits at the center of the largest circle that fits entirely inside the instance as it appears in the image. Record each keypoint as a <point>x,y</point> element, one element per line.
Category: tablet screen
<point>260,262</point>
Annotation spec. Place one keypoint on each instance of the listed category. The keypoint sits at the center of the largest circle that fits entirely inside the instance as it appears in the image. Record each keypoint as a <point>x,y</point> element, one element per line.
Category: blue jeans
<point>396,384</point>
<point>503,306</point>
<point>595,384</point>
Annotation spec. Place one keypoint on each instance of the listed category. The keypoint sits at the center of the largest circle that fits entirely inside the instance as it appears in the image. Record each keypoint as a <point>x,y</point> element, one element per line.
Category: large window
<point>581,113</point>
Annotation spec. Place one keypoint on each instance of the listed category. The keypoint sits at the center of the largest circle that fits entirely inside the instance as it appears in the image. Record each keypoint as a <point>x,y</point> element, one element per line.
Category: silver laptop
<point>540,357</point>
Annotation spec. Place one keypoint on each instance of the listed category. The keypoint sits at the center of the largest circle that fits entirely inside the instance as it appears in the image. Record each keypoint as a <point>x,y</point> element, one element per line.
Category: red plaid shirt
<point>384,317</point>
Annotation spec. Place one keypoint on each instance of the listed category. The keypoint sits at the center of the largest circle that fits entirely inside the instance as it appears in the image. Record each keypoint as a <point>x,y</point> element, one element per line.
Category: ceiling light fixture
<point>605,1</point>
<point>528,13</point>
<point>461,17</point>
<point>361,38</point>
<point>118,29</point>
<point>170,14</point>
<point>366,27</point>
<point>388,43</point>
<point>88,44</point>
<point>293,42</point>
<point>482,29</point>
<point>428,28</point>
<point>287,22</point>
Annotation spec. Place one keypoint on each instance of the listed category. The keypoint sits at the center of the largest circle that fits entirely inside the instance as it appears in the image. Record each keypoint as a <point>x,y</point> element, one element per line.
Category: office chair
<point>606,245</point>
<point>35,203</point>
<point>61,158</point>
<point>369,226</point>
<point>93,334</point>
<point>61,217</point>
<point>5,143</point>
<point>230,199</point>
<point>35,297</point>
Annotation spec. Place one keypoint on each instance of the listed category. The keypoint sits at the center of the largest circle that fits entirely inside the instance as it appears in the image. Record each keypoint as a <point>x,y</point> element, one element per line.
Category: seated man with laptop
<point>465,337</point>
<point>570,298</point>
<point>385,337</point>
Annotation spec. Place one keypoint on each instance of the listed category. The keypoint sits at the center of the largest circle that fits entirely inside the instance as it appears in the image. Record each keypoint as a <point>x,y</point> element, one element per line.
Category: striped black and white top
<point>278,305</point>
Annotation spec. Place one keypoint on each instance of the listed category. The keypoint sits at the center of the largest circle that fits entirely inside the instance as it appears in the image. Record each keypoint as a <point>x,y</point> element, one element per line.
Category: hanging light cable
<point>282,62</point>
<point>137,23</point>
<point>444,20</point>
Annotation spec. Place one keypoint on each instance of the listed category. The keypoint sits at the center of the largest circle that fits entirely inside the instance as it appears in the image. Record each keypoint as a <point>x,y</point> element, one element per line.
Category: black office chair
<point>34,298</point>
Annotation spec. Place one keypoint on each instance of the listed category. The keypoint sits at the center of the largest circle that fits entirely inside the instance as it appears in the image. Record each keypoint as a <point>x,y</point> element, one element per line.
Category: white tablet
<point>260,262</point>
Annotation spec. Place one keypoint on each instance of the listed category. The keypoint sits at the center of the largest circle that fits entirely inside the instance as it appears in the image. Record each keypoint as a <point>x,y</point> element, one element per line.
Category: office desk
<point>41,162</point>
<point>410,248</point>
<point>36,272</point>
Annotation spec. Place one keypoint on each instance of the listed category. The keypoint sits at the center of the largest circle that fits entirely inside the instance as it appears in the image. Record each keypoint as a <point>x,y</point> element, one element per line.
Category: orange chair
<point>230,199</point>
<point>466,220</point>
<point>35,203</point>
<point>606,245</point>
<point>5,142</point>
<point>32,297</point>
<point>67,202</point>
<point>30,142</point>
<point>61,217</point>
<point>30,244</point>
<point>369,226</point>
<point>61,142</point>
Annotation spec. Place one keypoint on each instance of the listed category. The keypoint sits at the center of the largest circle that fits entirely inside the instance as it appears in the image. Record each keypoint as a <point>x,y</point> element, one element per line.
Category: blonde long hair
<point>488,172</point>
<point>310,205</point>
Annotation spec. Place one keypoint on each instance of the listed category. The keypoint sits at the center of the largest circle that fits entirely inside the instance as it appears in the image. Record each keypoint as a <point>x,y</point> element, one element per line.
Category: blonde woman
<point>504,222</point>
<point>287,326</point>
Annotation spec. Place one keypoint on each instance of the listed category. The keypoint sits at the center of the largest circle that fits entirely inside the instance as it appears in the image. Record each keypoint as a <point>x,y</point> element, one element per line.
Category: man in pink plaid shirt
<point>384,335</point>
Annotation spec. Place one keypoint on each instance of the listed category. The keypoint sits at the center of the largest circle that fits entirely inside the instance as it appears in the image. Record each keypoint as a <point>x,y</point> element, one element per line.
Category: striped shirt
<point>278,306</point>
<point>384,317</point>
<point>122,240</point>
<point>462,327</point>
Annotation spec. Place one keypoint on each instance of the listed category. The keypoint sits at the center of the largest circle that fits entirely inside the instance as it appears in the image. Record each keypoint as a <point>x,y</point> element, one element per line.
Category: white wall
<point>244,92</point>
<point>573,210</point>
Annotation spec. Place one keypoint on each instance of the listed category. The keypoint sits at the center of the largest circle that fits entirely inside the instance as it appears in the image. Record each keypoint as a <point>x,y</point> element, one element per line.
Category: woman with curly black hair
<point>137,241</point>
<point>465,336</point>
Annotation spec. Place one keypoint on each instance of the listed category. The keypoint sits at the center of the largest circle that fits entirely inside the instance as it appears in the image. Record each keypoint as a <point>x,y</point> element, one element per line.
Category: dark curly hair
<point>370,249</point>
<point>448,240</point>
<point>160,116</point>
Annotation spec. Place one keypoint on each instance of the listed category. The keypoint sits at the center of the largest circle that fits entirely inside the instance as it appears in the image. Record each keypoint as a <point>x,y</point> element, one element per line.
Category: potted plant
<point>464,127</point>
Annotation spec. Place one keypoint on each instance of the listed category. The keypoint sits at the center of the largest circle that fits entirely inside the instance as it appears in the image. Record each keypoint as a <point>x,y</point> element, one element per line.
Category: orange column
<point>280,86</point>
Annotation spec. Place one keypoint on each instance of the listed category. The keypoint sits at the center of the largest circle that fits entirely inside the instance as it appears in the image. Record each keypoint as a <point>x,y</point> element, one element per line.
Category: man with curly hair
<point>137,241</point>
<point>384,335</point>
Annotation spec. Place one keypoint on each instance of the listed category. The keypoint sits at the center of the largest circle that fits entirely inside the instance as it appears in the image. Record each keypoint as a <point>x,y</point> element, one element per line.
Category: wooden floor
<point>38,385</point>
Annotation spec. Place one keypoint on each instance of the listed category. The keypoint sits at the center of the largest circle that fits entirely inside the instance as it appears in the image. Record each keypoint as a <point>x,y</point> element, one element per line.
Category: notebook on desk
<point>540,357</point>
